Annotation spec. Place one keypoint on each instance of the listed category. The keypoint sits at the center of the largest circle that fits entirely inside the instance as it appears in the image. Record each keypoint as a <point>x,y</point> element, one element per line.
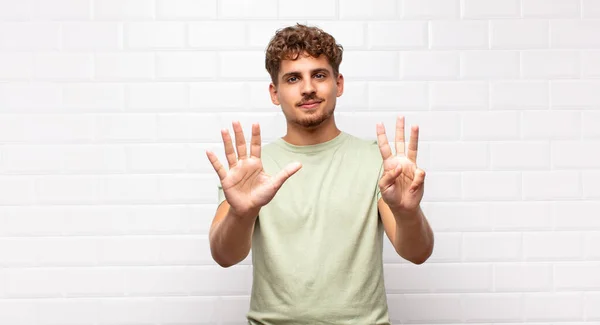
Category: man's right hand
<point>246,186</point>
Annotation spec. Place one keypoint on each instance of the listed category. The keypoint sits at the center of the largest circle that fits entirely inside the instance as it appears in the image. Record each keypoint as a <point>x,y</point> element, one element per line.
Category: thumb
<point>289,170</point>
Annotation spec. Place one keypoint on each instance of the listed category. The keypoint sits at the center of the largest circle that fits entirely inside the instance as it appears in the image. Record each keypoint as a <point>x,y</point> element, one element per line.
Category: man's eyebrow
<point>292,73</point>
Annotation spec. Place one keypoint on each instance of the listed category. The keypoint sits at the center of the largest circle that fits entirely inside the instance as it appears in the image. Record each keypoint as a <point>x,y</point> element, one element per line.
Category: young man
<point>313,205</point>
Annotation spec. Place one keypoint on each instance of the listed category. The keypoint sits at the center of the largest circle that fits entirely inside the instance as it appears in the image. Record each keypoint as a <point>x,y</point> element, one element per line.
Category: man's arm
<point>230,236</point>
<point>410,235</point>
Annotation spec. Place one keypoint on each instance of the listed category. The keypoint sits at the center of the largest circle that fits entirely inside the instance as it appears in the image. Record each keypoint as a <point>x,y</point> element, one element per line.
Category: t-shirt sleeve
<point>378,191</point>
<point>220,195</point>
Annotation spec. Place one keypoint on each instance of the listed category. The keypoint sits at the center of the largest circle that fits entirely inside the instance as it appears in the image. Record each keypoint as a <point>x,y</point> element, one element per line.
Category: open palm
<point>247,187</point>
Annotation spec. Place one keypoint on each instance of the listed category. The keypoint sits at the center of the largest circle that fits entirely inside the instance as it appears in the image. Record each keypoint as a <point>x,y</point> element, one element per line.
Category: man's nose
<point>308,87</point>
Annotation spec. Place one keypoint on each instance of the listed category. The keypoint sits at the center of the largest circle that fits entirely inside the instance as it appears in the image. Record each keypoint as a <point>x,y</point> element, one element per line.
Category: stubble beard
<point>312,119</point>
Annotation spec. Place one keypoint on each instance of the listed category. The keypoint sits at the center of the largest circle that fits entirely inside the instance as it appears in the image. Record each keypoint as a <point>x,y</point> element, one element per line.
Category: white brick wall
<point>106,196</point>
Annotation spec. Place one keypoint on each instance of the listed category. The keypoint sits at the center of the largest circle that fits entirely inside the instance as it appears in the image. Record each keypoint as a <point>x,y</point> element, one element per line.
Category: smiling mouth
<point>311,105</point>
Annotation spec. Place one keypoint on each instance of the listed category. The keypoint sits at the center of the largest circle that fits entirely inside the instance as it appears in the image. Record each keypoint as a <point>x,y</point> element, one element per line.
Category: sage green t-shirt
<point>317,246</point>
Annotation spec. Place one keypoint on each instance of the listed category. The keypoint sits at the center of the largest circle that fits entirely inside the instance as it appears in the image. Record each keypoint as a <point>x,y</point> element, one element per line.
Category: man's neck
<point>300,136</point>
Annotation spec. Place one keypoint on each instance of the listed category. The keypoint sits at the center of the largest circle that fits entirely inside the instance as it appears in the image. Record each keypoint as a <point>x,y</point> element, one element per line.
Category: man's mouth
<point>311,104</point>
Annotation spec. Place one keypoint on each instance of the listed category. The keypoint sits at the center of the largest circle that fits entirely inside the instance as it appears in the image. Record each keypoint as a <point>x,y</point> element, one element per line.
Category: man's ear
<point>273,93</point>
<point>340,85</point>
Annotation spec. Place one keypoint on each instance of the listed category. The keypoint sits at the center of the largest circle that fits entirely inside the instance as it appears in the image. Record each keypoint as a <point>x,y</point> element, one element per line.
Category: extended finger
<point>216,164</point>
<point>255,142</point>
<point>289,170</point>
<point>418,181</point>
<point>400,135</point>
<point>382,141</point>
<point>413,145</point>
<point>229,151</point>
<point>240,141</point>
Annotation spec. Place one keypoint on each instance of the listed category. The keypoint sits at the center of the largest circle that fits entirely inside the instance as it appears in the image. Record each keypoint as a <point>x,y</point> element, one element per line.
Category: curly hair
<point>289,42</point>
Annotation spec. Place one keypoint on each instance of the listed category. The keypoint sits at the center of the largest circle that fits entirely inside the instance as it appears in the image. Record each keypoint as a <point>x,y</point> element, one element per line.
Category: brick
<point>416,65</point>
<point>241,9</point>
<point>183,127</point>
<point>551,9</point>
<point>490,125</point>
<point>20,97</point>
<point>64,158</point>
<point>163,158</point>
<point>438,277</point>
<point>576,215</point>
<point>521,216</point>
<point>435,126</point>
<point>124,66</point>
<point>129,310</point>
<point>430,9</point>
<point>447,248</point>
<point>128,188</point>
<point>459,95</point>
<point>30,36</point>
<point>186,310</point>
<point>520,155</point>
<point>19,252</point>
<point>575,154</point>
<point>592,245</point>
<point>550,125</point>
<point>479,247</point>
<point>206,95</point>
<point>91,36</point>
<point>354,98</point>
<point>34,283</point>
<point>449,34</point>
<point>486,185</point>
<point>570,276</point>
<point>99,97</point>
<point>187,188</point>
<point>16,66</point>
<point>591,183</point>
<point>124,10</point>
<point>489,65</point>
<point>405,35</point>
<point>553,246</point>
<point>544,64</point>
<point>491,9</point>
<point>523,277</point>
<point>260,32</point>
<point>230,35</point>
<point>241,65</point>
<point>233,309</point>
<point>377,9</point>
<point>305,9</point>
<point>575,94</point>
<point>426,308</point>
<point>398,95</point>
<point>519,95</point>
<point>186,9</point>
<point>128,250</point>
<point>61,10</point>
<point>492,307</point>
<point>350,34</point>
<point>371,65</point>
<point>155,35</point>
<point>129,127</point>
<point>442,186</point>
<point>590,63</point>
<point>519,34</point>
<point>157,96</point>
<point>465,156</point>
<point>591,302</point>
<point>17,190</point>
<point>574,34</point>
<point>66,311</point>
<point>186,65</point>
<point>590,9</point>
<point>15,11</point>
<point>93,281</point>
<point>66,189</point>
<point>458,217</point>
<point>541,185</point>
<point>63,66</point>
<point>18,312</point>
<point>553,306</point>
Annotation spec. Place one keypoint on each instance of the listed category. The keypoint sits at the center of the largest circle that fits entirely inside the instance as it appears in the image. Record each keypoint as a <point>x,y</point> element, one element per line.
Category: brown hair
<point>289,42</point>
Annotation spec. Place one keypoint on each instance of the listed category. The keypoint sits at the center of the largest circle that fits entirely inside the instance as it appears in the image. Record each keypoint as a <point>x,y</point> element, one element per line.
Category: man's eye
<point>290,79</point>
<point>320,74</point>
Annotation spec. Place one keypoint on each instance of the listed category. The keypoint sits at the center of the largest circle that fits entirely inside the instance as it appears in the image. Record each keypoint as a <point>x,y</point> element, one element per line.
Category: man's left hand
<point>402,183</point>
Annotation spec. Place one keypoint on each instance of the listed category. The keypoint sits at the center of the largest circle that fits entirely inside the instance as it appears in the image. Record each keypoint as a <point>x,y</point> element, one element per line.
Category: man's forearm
<point>414,237</point>
<point>231,240</point>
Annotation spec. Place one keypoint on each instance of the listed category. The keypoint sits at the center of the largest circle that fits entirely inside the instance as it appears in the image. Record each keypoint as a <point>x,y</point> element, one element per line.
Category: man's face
<point>307,90</point>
